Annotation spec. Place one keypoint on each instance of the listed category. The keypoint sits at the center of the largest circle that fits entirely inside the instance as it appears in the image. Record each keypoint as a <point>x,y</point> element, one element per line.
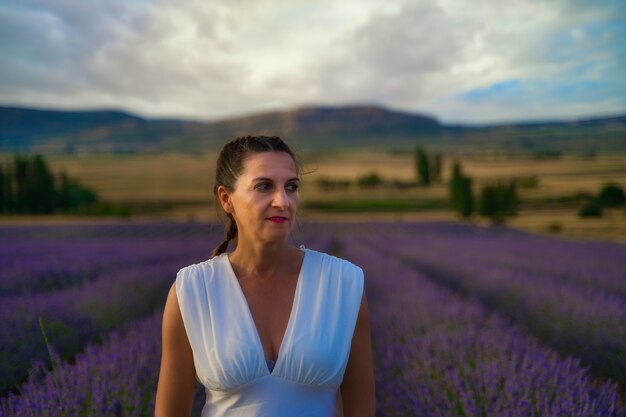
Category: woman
<point>269,329</point>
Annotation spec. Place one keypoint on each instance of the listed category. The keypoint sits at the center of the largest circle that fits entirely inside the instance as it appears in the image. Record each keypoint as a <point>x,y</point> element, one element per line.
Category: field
<point>178,187</point>
<point>466,320</point>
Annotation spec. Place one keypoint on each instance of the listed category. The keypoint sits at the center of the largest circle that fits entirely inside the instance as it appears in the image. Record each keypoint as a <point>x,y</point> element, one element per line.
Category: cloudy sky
<point>462,61</point>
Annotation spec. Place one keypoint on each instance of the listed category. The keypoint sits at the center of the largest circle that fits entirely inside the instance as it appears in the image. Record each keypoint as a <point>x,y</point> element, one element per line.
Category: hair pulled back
<point>230,164</point>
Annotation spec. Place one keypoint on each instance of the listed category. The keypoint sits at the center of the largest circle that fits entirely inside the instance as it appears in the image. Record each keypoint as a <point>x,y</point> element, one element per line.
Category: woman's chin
<point>277,235</point>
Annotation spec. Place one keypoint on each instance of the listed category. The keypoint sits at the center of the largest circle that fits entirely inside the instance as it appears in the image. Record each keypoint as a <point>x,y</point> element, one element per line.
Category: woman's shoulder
<point>328,257</point>
<point>337,276</point>
<point>199,272</point>
<point>336,263</point>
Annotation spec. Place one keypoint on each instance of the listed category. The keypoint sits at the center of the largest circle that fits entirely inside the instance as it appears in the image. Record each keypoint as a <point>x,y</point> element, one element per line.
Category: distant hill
<point>110,131</point>
<point>54,131</point>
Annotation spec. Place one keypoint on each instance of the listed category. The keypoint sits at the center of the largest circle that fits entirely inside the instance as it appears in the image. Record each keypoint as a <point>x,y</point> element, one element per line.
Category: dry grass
<point>611,226</point>
<point>186,177</point>
<point>189,178</point>
<point>173,177</point>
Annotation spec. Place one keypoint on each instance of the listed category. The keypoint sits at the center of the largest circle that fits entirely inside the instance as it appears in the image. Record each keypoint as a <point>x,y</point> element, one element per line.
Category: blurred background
<point>470,156</point>
<point>128,103</point>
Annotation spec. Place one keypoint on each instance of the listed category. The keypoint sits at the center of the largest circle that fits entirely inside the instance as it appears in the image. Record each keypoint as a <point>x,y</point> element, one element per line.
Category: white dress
<point>227,350</point>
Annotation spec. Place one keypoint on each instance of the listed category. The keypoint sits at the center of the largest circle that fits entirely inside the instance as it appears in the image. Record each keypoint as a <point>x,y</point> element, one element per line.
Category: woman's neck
<point>266,259</point>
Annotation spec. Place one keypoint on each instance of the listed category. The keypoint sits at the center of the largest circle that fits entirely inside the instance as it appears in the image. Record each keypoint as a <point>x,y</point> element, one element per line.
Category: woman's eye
<point>291,187</point>
<point>263,186</point>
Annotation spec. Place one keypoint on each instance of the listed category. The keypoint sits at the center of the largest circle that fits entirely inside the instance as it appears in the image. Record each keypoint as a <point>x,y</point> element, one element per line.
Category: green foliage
<point>611,195</point>
<point>435,167</point>
<point>28,186</point>
<point>498,201</point>
<point>422,168</point>
<point>3,201</point>
<point>465,205</point>
<point>72,194</point>
<point>40,187</point>
<point>427,167</point>
<point>593,208</point>
<point>461,192</point>
<point>370,180</point>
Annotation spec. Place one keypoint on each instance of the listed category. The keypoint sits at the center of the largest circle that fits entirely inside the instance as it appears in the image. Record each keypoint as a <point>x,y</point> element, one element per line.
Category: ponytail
<point>230,164</point>
<point>231,234</point>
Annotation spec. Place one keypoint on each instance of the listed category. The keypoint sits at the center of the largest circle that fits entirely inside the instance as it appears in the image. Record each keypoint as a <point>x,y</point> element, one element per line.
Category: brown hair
<point>230,164</point>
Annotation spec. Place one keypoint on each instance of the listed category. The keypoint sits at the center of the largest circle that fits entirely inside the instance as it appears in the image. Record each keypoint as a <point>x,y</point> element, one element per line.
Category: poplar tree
<point>422,167</point>
<point>42,192</point>
<point>461,192</point>
<point>435,167</point>
<point>28,186</point>
<point>20,165</point>
<point>3,207</point>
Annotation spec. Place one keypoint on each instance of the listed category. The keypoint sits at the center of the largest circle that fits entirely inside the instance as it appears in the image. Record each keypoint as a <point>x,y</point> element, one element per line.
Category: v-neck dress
<point>227,350</point>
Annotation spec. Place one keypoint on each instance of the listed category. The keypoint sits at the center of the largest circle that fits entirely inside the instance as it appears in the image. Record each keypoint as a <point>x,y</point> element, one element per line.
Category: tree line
<point>496,201</point>
<point>499,199</point>
<point>27,185</point>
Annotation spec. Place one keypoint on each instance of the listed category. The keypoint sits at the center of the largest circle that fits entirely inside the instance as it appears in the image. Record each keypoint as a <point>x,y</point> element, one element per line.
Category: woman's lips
<point>277,219</point>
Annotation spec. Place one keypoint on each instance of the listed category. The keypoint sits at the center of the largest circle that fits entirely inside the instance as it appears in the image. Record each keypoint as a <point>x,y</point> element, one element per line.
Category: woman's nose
<point>280,199</point>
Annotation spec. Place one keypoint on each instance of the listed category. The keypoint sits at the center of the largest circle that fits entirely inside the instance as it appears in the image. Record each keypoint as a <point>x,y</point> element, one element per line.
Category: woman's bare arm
<point>358,394</point>
<point>176,385</point>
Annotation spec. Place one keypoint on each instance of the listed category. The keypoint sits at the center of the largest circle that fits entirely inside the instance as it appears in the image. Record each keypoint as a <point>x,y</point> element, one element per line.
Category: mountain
<point>54,131</point>
<point>111,131</point>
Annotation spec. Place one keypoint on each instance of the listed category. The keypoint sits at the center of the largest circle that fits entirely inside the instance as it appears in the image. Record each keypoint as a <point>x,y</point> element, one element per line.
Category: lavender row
<point>586,263</point>
<point>29,267</point>
<point>86,312</point>
<point>438,355</point>
<point>48,258</point>
<point>117,378</point>
<point>577,319</point>
<point>78,315</point>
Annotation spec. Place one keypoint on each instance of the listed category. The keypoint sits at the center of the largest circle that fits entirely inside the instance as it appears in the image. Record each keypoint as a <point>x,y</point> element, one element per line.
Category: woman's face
<point>265,199</point>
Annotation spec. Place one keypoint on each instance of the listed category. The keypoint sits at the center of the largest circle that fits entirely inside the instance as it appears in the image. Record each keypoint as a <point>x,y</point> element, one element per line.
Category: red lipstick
<point>277,219</point>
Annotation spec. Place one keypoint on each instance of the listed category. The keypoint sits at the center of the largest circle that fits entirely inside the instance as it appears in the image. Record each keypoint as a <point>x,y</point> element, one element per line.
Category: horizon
<point>131,112</point>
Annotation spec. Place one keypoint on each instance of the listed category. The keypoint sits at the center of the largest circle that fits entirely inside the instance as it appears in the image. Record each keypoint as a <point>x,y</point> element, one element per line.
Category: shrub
<point>330,184</point>
<point>498,201</point>
<point>370,180</point>
<point>591,209</point>
<point>611,195</point>
<point>461,192</point>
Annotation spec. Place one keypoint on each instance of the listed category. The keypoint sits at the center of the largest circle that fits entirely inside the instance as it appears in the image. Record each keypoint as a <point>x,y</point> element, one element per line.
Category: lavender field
<point>466,321</point>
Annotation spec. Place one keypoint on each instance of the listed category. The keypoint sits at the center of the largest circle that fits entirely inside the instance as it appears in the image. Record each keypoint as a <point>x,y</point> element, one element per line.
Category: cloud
<point>393,57</point>
<point>142,54</point>
<point>436,56</point>
<point>214,59</point>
